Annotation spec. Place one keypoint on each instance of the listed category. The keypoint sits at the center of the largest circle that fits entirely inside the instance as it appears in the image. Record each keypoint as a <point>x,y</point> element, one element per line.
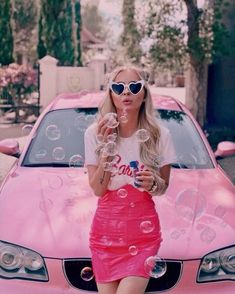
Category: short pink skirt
<point>124,233</point>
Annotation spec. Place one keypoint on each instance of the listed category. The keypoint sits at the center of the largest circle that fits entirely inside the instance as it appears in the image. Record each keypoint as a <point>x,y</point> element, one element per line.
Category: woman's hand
<point>145,179</point>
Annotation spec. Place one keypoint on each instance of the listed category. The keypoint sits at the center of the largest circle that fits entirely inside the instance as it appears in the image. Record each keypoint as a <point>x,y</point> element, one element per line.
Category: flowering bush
<point>16,83</point>
<point>18,80</point>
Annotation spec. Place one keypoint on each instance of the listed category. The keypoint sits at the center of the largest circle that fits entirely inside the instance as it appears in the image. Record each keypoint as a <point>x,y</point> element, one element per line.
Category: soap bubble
<point>40,154</point>
<point>100,138</point>
<point>155,266</point>
<point>208,235</point>
<point>110,149</point>
<point>146,227</point>
<point>133,250</point>
<point>58,153</point>
<point>111,120</point>
<point>142,135</point>
<point>26,129</point>
<point>76,161</point>
<point>123,119</point>
<point>122,193</point>
<point>80,122</point>
<point>107,166</point>
<point>112,137</point>
<point>87,274</point>
<point>53,132</point>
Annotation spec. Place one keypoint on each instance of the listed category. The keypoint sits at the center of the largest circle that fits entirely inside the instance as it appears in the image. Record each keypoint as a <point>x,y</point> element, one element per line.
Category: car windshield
<point>59,139</point>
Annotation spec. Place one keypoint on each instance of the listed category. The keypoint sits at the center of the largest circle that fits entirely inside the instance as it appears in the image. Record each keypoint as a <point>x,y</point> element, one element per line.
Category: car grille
<point>73,267</point>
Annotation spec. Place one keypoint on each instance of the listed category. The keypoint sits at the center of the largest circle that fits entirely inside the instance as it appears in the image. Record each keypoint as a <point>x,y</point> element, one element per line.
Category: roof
<point>93,99</point>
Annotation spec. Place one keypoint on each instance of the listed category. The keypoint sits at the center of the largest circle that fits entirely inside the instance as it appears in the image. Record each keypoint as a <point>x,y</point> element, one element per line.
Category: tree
<point>130,38</point>
<point>25,25</point>
<point>198,37</point>
<point>6,48</point>
<point>92,20</point>
<point>78,20</point>
<point>55,31</point>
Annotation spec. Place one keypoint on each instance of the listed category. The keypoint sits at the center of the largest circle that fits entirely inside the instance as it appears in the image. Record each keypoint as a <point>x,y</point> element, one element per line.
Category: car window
<point>59,139</point>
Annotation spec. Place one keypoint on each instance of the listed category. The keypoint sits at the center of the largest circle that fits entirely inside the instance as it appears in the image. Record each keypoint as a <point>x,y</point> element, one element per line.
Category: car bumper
<point>58,283</point>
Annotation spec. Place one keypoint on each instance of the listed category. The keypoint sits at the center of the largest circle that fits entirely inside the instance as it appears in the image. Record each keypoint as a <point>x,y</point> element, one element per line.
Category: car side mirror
<point>10,147</point>
<point>224,149</point>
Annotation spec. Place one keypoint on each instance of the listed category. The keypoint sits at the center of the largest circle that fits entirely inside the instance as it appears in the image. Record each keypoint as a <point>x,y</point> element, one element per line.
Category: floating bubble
<point>122,193</point>
<point>132,204</point>
<point>100,138</point>
<point>89,119</point>
<point>107,166</point>
<point>208,235</point>
<point>87,274</point>
<point>45,205</point>
<point>53,132</point>
<point>146,227</point>
<point>133,250</point>
<point>111,120</point>
<point>190,204</point>
<point>55,182</point>
<point>123,119</point>
<point>26,129</point>
<point>76,161</point>
<point>112,137</point>
<point>142,135</point>
<point>155,266</point>
<point>106,241</point>
<point>220,211</point>
<point>110,149</point>
<point>175,235</point>
<point>58,153</point>
<point>40,154</point>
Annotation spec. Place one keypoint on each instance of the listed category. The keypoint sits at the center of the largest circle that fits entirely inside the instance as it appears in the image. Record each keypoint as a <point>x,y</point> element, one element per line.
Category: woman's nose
<point>126,91</point>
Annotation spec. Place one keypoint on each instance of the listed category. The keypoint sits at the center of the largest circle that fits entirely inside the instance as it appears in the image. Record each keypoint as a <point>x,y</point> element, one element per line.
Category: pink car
<point>47,207</point>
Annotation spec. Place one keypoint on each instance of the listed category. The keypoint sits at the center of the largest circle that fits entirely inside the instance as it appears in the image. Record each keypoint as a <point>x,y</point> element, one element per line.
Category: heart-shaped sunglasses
<point>133,87</point>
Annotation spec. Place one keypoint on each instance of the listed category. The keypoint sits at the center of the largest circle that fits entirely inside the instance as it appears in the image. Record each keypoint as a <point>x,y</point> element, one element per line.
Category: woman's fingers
<point>145,179</point>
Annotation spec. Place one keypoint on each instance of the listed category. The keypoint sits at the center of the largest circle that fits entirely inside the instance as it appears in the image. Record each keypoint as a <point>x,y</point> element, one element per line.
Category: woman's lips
<point>127,101</point>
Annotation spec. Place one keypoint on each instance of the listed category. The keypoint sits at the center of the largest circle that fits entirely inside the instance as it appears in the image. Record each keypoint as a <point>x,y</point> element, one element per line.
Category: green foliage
<point>78,20</point>
<point>55,30</point>
<point>130,38</point>
<point>6,46</point>
<point>25,23</point>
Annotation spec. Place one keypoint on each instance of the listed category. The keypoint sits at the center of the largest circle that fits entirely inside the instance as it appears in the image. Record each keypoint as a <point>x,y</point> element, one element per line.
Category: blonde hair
<point>149,153</point>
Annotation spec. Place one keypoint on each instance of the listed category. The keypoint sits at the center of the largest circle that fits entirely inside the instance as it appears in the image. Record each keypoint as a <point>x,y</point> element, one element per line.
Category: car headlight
<point>218,265</point>
<point>18,262</point>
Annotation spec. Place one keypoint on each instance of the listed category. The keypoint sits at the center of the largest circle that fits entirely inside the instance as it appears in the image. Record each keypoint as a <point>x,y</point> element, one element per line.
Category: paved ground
<point>15,131</point>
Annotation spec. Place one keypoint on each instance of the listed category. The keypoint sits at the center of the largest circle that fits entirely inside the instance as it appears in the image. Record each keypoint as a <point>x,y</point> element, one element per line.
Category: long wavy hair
<point>149,153</point>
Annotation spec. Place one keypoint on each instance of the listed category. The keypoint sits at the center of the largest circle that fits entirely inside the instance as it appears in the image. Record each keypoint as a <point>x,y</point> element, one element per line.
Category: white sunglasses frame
<point>127,86</point>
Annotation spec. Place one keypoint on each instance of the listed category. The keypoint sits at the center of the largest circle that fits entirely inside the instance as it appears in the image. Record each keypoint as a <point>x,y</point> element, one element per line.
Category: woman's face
<point>126,100</point>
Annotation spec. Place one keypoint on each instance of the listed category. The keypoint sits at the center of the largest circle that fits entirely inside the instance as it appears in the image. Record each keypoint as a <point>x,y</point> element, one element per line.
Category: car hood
<point>52,212</point>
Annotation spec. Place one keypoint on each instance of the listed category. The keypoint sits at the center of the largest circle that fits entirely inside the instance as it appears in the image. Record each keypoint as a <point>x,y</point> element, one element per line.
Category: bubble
<point>220,211</point>
<point>132,204</point>
<point>112,137</point>
<point>208,235</point>
<point>87,274</point>
<point>89,119</point>
<point>122,193</point>
<point>107,166</point>
<point>190,204</point>
<point>40,154</point>
<point>133,250</point>
<point>26,129</point>
<point>80,122</point>
<point>114,169</point>
<point>100,138</point>
<point>58,153</point>
<point>175,235</point>
<point>155,266</point>
<point>123,119</point>
<point>111,118</point>
<point>142,135</point>
<point>76,161</point>
<point>110,149</point>
<point>106,241</point>
<point>146,227</point>
<point>46,205</point>
<point>53,132</point>
<point>55,182</point>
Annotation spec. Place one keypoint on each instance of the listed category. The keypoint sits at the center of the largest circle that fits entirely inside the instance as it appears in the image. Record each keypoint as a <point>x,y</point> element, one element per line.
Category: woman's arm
<point>98,178</point>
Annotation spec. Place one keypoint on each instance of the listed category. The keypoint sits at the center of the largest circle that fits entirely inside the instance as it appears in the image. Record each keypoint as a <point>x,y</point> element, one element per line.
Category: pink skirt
<point>124,233</point>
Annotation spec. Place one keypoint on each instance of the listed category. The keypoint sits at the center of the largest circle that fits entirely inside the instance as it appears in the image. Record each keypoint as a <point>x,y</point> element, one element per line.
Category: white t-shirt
<point>128,150</point>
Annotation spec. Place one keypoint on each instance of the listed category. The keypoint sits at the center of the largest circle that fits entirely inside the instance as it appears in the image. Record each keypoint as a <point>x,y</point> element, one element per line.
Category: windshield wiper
<point>47,164</point>
<point>179,165</point>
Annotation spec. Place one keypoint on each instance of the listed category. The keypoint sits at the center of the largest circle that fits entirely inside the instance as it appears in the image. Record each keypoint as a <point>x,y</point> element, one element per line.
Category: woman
<point>125,229</point>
